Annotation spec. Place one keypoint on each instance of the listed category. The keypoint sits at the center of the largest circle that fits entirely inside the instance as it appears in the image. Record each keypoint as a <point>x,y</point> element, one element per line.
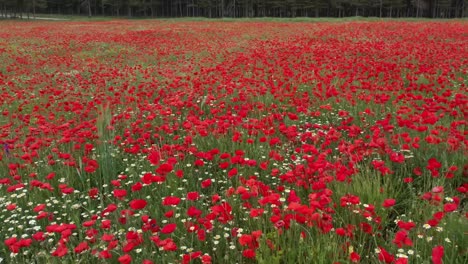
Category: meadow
<point>178,141</point>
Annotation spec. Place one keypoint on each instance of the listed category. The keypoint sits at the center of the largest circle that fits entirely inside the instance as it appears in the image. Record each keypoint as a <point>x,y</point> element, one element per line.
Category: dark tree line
<point>238,8</point>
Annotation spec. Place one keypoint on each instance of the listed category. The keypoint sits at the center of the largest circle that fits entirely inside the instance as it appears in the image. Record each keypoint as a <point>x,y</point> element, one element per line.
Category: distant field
<point>234,141</point>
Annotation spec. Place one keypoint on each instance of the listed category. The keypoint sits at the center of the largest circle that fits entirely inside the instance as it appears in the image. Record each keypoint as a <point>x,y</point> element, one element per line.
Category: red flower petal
<point>437,254</point>
<point>450,207</point>
<point>388,203</point>
<point>138,204</point>
<point>169,228</point>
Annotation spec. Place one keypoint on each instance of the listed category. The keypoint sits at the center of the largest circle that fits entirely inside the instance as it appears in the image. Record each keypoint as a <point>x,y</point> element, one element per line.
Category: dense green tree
<point>238,8</point>
<point>33,5</point>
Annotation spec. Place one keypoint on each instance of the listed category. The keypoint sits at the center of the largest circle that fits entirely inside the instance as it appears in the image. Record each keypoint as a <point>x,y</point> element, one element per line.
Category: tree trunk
<point>95,7</point>
<point>89,8</point>
<point>380,11</point>
<point>222,8</point>
<point>463,9</point>
<point>180,8</point>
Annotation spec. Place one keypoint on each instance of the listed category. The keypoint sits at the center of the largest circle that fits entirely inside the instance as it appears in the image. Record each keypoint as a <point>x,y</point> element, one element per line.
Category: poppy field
<point>233,142</point>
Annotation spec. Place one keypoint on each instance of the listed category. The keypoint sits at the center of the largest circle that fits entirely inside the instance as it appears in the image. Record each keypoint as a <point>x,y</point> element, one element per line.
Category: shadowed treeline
<point>237,8</point>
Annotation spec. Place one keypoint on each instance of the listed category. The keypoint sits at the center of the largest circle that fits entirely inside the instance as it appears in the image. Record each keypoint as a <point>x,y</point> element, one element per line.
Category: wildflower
<point>138,204</point>
<point>437,254</point>
<point>248,253</point>
<point>169,228</point>
<point>388,203</point>
<point>354,257</point>
<point>450,207</point>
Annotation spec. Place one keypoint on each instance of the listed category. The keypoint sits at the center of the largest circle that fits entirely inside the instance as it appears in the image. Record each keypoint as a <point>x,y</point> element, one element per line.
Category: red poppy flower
<point>354,257</point>
<point>437,254</point>
<point>169,228</point>
<point>385,256</point>
<point>245,239</point>
<point>119,194</point>
<point>388,203</point>
<point>138,204</point>
<point>206,183</point>
<point>93,193</point>
<point>171,200</point>
<point>193,196</point>
<point>193,212</point>
<point>83,246</point>
<point>125,259</point>
<point>154,157</point>
<point>249,253</point>
<point>60,251</point>
<point>450,207</point>
<point>232,172</point>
